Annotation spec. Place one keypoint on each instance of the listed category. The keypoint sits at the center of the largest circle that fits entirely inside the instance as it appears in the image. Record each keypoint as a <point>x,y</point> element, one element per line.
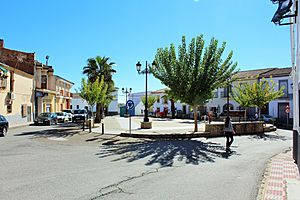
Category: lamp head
<point>138,66</point>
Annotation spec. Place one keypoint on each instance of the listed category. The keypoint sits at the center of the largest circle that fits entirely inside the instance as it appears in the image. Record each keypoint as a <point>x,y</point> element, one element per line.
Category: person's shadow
<point>165,152</point>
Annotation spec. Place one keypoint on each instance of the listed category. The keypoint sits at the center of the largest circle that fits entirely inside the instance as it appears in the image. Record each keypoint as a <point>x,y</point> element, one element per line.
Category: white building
<point>276,108</point>
<point>78,103</point>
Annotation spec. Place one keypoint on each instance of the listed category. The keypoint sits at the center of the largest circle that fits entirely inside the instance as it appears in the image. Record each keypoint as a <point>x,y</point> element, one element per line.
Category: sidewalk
<point>281,179</point>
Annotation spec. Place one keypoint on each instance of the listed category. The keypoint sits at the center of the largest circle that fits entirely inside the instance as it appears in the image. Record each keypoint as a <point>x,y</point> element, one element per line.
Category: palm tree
<point>101,67</point>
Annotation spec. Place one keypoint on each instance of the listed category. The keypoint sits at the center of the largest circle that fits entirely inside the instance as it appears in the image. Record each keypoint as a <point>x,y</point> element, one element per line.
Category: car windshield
<point>45,114</point>
<point>60,114</point>
<point>79,112</point>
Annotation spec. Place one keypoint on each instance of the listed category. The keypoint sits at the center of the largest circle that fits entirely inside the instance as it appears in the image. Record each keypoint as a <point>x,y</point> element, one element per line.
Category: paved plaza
<point>63,162</point>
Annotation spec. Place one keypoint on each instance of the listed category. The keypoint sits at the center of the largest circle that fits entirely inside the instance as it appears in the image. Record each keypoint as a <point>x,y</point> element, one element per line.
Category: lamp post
<point>126,92</point>
<point>146,71</point>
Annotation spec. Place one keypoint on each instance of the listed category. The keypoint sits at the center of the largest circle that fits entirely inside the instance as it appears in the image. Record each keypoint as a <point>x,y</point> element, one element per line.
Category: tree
<point>151,100</point>
<point>169,96</point>
<point>93,92</point>
<point>258,93</point>
<point>101,67</point>
<point>195,73</point>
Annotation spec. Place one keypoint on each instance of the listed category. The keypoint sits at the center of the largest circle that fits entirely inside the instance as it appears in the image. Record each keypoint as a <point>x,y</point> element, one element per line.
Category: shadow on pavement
<point>166,152</point>
<point>53,132</point>
<point>268,137</point>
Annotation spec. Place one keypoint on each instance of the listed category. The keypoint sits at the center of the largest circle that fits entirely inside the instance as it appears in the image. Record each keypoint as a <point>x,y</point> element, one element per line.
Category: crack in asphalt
<point>115,188</point>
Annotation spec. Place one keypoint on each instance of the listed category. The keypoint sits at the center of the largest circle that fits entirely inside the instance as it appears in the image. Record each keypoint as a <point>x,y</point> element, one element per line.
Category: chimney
<point>1,43</point>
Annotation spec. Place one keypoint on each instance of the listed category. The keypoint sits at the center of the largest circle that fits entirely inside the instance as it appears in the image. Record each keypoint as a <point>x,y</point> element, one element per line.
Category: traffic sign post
<point>287,111</point>
<point>130,106</point>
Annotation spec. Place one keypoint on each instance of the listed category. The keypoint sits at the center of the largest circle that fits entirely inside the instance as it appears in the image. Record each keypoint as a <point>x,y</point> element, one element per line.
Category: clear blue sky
<point>71,31</point>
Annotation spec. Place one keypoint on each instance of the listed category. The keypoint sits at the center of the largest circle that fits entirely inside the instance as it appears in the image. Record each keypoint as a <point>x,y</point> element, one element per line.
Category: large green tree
<point>258,93</point>
<point>93,92</point>
<point>196,72</point>
<point>101,67</point>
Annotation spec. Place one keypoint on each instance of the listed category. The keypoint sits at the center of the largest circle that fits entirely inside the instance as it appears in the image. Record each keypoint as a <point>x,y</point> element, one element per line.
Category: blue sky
<point>127,31</point>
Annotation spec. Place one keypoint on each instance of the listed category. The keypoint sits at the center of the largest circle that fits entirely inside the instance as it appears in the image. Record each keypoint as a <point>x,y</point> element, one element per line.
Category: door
<point>282,115</point>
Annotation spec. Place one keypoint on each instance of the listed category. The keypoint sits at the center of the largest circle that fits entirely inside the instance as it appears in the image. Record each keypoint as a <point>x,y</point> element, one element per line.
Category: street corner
<point>280,179</point>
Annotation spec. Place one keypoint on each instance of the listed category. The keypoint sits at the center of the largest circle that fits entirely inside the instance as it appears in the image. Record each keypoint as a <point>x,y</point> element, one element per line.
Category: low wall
<point>241,128</point>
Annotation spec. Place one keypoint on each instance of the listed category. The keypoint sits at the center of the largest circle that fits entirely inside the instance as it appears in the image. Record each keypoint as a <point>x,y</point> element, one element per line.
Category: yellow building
<point>45,92</point>
<point>16,95</point>
<point>63,94</point>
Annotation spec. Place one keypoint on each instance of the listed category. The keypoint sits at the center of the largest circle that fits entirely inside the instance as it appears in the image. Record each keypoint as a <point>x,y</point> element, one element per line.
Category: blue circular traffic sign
<point>130,104</point>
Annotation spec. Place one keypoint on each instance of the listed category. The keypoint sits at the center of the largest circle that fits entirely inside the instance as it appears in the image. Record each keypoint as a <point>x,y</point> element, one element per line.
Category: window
<point>24,110</point>
<point>71,107</point>
<point>216,94</point>
<point>44,82</point>
<point>3,82</point>
<point>158,99</point>
<point>225,91</point>
<point>284,84</point>
<point>77,106</point>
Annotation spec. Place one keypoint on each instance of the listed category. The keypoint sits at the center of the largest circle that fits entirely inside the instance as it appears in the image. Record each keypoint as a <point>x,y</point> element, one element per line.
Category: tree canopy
<point>93,92</point>
<point>151,99</point>
<point>258,93</point>
<point>195,72</point>
<point>102,68</point>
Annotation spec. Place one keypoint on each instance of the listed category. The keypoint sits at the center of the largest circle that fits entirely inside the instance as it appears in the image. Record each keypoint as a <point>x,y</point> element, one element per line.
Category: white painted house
<point>276,108</point>
<point>78,103</point>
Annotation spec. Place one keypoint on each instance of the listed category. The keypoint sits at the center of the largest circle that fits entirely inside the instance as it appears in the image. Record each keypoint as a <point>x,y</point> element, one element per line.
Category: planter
<point>146,125</point>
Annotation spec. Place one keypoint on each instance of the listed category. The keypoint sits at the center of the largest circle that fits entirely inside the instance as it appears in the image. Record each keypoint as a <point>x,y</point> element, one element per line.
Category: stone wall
<point>242,128</point>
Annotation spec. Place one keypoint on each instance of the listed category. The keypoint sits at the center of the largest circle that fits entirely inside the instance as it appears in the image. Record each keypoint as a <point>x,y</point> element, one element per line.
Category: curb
<point>166,136</point>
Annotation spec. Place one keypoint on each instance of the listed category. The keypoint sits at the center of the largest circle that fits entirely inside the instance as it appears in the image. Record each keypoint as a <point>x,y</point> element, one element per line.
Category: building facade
<point>78,103</point>
<point>16,85</point>
<point>63,93</point>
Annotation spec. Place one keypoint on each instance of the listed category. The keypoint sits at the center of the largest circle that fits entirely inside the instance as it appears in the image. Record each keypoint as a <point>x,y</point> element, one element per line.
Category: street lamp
<point>47,58</point>
<point>145,71</point>
<point>126,92</point>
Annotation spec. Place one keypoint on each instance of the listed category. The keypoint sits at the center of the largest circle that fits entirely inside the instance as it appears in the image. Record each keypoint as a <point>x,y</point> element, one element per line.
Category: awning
<point>3,71</point>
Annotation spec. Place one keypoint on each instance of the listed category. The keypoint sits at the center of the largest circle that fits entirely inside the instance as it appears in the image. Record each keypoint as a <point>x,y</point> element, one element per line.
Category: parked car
<point>62,117</point>
<point>46,118</point>
<point>268,118</point>
<point>79,115</point>
<point>69,114</point>
<point>3,126</point>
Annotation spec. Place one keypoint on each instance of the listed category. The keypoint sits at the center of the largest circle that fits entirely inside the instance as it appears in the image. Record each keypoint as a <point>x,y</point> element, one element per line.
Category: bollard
<point>102,128</point>
<point>83,126</point>
<point>90,126</point>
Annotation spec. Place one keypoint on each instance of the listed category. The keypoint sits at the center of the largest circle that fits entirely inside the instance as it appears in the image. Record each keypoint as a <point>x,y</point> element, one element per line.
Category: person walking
<point>229,131</point>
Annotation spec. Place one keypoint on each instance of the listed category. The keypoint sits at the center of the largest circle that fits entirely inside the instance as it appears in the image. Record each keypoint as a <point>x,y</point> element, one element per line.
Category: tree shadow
<point>165,152</point>
<point>268,137</point>
<point>53,132</point>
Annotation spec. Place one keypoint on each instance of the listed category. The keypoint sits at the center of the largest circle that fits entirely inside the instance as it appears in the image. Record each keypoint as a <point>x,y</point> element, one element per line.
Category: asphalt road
<point>32,168</point>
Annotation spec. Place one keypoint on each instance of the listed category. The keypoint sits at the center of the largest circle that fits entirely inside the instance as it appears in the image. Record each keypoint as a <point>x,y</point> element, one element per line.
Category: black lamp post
<point>126,92</point>
<point>47,58</point>
<point>145,71</point>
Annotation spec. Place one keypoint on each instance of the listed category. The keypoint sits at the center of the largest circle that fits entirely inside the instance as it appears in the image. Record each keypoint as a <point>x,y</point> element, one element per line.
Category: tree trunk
<point>98,113</point>
<point>173,108</point>
<point>195,118</point>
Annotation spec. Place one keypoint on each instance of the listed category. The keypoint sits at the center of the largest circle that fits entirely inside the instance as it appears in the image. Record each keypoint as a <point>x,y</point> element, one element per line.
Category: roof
<point>277,72</point>
<point>252,73</point>
<point>159,91</point>
<point>64,79</point>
